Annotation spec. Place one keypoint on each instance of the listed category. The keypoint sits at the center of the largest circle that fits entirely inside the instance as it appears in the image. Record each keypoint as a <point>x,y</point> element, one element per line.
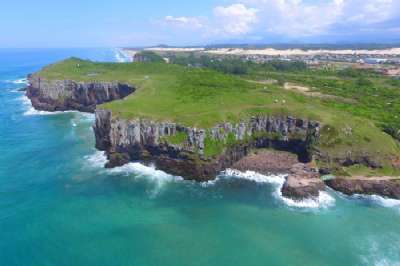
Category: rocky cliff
<point>63,95</point>
<point>200,154</point>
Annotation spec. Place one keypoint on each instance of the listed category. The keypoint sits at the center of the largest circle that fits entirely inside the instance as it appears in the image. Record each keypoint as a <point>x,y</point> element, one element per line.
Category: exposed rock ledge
<point>64,95</point>
<point>383,186</point>
<point>302,182</point>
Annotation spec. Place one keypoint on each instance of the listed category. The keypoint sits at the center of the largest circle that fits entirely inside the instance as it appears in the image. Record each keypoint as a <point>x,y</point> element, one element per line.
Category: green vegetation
<point>178,138</point>
<point>203,97</point>
<point>372,96</point>
<point>149,56</point>
<point>212,147</point>
<point>236,66</point>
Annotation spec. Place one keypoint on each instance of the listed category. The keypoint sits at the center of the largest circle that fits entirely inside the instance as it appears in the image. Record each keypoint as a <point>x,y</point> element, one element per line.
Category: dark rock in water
<point>65,95</point>
<point>303,182</point>
<point>324,171</point>
<point>117,159</point>
<point>383,186</point>
<point>23,89</point>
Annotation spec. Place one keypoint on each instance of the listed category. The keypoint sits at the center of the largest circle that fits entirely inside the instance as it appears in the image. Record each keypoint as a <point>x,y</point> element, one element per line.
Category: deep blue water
<point>58,206</point>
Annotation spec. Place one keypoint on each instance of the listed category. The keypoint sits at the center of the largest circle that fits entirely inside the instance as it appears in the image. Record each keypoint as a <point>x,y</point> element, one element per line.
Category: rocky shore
<point>383,186</point>
<point>238,145</point>
<point>303,181</point>
<point>144,140</point>
<point>64,95</point>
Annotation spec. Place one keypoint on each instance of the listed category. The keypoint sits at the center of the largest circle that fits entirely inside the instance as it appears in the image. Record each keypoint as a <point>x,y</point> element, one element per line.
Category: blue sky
<point>90,23</point>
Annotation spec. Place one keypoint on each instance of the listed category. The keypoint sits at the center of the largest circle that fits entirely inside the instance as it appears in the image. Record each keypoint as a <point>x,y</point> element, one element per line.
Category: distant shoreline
<point>276,52</point>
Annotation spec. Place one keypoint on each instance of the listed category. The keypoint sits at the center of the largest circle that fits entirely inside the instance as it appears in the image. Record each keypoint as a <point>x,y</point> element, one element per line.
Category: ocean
<point>59,206</point>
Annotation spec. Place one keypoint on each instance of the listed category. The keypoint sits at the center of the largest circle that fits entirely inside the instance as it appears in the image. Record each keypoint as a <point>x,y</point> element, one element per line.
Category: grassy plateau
<point>357,120</point>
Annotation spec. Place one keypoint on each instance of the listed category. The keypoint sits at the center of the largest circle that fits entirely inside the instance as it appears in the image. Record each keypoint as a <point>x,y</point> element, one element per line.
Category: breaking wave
<point>324,200</point>
<point>157,178</point>
<point>378,200</point>
<point>17,81</point>
<point>96,160</point>
<point>121,56</point>
<point>20,81</point>
<point>142,170</point>
<point>30,111</point>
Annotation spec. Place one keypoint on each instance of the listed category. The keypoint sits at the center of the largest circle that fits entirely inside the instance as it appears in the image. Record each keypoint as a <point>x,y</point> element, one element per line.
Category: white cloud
<point>186,22</point>
<point>290,18</point>
<point>371,11</point>
<point>296,17</point>
<point>235,19</point>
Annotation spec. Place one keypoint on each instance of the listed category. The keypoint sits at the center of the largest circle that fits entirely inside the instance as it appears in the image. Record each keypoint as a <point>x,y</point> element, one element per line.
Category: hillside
<point>203,98</point>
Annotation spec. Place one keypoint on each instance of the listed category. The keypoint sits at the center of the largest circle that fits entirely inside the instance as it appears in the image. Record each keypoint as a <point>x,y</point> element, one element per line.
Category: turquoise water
<point>58,206</point>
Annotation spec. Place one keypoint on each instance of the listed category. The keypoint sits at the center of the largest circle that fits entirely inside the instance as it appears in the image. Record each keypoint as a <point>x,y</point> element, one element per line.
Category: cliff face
<point>63,95</point>
<point>144,140</point>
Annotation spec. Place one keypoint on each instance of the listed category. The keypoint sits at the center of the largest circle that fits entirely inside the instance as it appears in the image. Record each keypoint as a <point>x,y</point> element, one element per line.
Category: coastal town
<point>382,61</point>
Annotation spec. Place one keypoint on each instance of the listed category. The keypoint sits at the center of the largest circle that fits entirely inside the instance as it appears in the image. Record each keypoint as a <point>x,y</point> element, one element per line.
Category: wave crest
<point>121,56</point>
<point>324,200</point>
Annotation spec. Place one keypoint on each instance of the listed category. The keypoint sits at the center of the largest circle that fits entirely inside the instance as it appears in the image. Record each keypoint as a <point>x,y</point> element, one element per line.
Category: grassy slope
<point>203,98</point>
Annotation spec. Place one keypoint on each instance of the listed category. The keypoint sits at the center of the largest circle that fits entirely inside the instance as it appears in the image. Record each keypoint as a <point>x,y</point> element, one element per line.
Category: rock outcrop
<point>64,95</point>
<point>302,182</point>
<point>147,141</point>
<point>383,186</point>
<point>267,162</point>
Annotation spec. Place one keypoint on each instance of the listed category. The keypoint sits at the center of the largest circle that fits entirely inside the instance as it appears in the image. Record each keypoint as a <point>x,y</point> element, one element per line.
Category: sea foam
<point>148,172</point>
<point>96,160</point>
<point>17,81</point>
<point>30,111</point>
<point>379,200</point>
<point>324,200</point>
<point>121,56</point>
<point>20,81</point>
<point>137,170</point>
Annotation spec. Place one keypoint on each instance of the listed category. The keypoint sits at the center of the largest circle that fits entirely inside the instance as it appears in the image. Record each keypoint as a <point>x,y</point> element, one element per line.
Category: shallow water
<point>59,206</point>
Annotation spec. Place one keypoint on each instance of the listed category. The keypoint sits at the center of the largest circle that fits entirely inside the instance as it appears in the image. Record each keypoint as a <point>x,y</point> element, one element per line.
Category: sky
<point>131,23</point>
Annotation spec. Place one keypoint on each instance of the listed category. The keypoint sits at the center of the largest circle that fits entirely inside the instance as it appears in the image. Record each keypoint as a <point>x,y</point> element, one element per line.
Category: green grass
<point>203,98</point>
<point>178,138</point>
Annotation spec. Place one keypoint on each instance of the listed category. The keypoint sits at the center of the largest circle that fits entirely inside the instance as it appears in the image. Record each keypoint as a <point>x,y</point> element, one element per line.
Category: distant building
<point>375,60</point>
<point>393,72</point>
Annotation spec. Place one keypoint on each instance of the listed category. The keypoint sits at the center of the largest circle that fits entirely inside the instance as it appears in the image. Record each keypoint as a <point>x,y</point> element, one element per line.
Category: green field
<point>201,97</point>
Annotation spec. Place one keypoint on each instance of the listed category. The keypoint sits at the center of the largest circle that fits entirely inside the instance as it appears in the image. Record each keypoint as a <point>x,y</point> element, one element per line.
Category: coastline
<point>126,140</point>
<point>275,52</point>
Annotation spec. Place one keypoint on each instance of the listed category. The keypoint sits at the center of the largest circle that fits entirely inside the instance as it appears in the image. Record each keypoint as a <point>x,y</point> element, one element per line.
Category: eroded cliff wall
<point>63,95</point>
<point>145,140</point>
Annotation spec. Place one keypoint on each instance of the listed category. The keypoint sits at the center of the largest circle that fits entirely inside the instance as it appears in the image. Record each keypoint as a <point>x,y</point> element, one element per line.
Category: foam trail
<point>32,111</point>
<point>138,170</point>
<point>20,81</point>
<point>144,171</point>
<point>97,159</point>
<point>121,56</point>
<point>324,200</point>
<point>379,200</point>
<point>17,81</point>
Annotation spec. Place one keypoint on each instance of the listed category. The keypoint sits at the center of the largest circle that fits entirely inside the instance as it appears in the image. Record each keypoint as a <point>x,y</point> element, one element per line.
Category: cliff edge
<point>196,122</point>
<point>65,95</point>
